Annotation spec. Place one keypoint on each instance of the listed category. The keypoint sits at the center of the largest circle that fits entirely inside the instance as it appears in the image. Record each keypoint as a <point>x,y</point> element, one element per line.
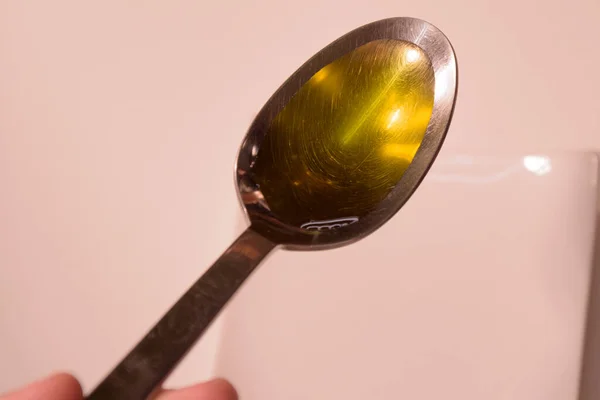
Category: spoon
<point>334,153</point>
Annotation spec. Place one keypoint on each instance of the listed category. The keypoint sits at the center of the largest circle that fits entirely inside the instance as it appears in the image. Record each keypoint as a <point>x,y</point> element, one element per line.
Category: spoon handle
<point>155,356</point>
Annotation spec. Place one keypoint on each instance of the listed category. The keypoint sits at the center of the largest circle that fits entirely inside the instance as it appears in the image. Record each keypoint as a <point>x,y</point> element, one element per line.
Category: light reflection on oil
<point>348,135</point>
<point>394,118</point>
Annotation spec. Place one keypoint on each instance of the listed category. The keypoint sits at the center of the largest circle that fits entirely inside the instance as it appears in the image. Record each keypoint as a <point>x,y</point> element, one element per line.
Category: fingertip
<point>67,380</point>
<point>56,386</point>
<point>63,385</point>
<point>223,388</point>
<point>216,389</point>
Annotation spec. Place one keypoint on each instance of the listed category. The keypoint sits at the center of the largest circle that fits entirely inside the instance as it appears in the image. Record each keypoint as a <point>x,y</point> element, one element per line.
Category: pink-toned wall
<point>119,124</point>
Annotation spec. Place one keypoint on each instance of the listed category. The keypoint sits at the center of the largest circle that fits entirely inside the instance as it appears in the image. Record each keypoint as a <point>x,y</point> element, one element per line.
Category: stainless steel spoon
<point>334,153</point>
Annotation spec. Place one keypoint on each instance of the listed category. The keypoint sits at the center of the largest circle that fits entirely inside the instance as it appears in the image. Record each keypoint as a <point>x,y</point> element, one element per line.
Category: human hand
<point>66,387</point>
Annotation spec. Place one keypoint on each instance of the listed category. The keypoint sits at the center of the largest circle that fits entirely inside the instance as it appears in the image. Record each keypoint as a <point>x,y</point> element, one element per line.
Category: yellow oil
<point>348,135</point>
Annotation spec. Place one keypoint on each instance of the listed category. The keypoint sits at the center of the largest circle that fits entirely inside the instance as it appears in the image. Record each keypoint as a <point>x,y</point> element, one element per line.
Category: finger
<point>217,389</point>
<point>56,387</point>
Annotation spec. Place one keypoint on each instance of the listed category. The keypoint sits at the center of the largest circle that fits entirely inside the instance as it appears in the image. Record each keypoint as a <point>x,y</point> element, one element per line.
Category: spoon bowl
<point>333,154</point>
<point>346,140</point>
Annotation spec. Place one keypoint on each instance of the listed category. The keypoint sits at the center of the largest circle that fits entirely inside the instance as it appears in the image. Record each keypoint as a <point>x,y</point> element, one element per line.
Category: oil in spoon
<point>348,135</point>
